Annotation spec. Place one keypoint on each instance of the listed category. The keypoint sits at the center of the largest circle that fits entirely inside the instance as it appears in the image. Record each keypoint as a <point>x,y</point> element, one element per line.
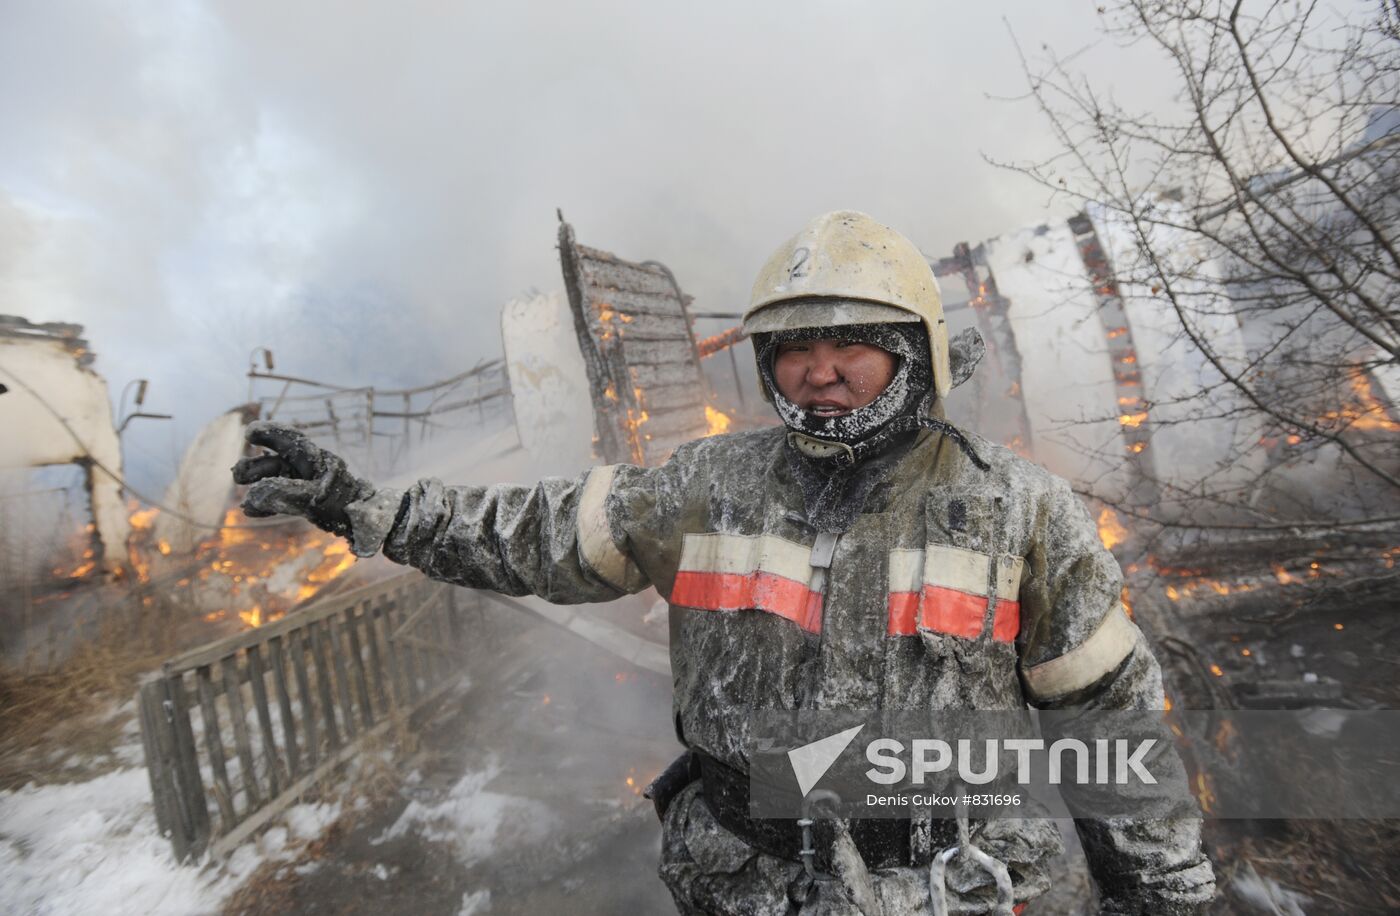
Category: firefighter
<point>866,554</point>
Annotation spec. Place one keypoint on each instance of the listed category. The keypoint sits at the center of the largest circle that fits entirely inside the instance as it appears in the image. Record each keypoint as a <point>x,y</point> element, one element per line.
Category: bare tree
<point>1270,196</point>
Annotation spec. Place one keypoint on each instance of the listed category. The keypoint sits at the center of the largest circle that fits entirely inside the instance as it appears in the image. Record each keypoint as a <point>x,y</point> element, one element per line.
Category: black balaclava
<point>873,437</point>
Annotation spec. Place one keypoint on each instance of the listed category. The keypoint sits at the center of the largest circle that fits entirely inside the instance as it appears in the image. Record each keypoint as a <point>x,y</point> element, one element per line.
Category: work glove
<point>301,478</point>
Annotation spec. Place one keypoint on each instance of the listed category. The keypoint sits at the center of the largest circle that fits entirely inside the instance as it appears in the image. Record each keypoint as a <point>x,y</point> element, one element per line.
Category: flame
<point>138,544</point>
<point>1216,670</point>
<point>606,315</point>
<point>268,571</point>
<point>717,421</point>
<point>234,532</point>
<point>1215,586</point>
<point>1282,575</point>
<point>143,519</point>
<point>1127,602</point>
<point>1132,420</point>
<point>1225,735</point>
<point>1111,531</point>
<point>1204,793</point>
<point>81,570</point>
<point>1364,410</point>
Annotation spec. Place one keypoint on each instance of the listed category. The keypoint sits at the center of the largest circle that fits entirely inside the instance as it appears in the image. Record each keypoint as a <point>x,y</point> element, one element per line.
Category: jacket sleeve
<point>561,539</point>
<point>1080,651</point>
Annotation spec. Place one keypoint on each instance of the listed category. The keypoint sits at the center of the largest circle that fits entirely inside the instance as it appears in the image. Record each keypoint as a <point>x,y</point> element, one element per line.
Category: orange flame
<point>717,421</point>
<point>1365,411</point>
<point>144,518</point>
<point>1111,531</point>
<point>1204,793</point>
<point>271,570</point>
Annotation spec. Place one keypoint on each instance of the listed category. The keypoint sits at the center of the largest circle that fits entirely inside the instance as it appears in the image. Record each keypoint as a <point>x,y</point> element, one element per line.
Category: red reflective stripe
<point>956,613</point>
<point>1007,622</point>
<point>904,611</point>
<point>789,599</point>
<point>946,610</point>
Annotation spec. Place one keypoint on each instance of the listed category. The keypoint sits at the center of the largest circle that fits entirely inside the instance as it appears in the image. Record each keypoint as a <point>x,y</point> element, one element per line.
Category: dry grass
<point>1345,867</point>
<point>47,711</point>
<point>377,771</point>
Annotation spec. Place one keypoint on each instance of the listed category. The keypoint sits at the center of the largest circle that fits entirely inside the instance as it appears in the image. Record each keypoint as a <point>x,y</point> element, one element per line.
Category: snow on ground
<point>92,846</point>
<point>477,821</point>
<point>474,903</point>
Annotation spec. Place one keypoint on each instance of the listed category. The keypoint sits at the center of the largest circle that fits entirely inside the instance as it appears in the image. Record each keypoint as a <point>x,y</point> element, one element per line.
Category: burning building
<point>55,410</point>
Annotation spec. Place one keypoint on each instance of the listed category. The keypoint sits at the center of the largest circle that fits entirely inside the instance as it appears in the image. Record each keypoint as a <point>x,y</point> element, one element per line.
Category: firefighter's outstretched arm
<point>554,539</point>
<point>1081,651</point>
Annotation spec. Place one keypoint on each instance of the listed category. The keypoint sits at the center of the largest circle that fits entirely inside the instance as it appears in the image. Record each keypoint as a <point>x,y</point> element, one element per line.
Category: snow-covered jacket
<point>956,587</point>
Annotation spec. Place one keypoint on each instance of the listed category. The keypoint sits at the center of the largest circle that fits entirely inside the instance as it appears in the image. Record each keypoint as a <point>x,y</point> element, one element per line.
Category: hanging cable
<point>121,481</point>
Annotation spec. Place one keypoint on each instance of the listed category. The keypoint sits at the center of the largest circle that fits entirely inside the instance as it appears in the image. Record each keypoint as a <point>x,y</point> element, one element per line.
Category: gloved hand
<point>300,479</point>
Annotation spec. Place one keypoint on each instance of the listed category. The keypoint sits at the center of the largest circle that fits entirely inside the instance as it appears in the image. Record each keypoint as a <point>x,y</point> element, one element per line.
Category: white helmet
<point>845,268</point>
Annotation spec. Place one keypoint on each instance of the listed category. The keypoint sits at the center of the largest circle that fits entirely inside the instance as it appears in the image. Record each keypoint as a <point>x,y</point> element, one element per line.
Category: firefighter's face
<point>831,377</point>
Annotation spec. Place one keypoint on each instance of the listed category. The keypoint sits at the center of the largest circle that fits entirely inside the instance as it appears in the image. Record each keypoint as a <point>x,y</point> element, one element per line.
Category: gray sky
<point>360,186</point>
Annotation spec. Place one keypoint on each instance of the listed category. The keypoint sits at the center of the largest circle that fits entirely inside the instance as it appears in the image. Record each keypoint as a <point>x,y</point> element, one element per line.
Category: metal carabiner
<point>808,852</point>
<point>937,885</point>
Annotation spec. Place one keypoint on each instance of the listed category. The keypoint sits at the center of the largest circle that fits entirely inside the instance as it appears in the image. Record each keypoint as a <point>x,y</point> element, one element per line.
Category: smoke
<point>360,187</point>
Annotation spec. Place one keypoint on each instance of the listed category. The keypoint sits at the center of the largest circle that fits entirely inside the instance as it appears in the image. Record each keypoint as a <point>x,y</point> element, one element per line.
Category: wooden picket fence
<point>284,704</point>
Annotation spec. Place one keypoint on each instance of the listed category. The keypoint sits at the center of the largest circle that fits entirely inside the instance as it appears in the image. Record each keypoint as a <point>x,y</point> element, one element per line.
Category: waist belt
<point>882,842</point>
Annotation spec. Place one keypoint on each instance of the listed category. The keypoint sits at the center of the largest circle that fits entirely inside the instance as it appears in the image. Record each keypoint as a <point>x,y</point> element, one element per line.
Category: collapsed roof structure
<point>56,411</point>
<point>648,390</point>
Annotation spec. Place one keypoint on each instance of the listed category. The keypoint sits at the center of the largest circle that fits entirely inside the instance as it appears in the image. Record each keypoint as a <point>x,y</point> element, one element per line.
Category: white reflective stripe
<point>906,570</point>
<point>741,555</point>
<point>1009,578</point>
<point>1080,667</point>
<point>953,567</point>
<point>595,540</point>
